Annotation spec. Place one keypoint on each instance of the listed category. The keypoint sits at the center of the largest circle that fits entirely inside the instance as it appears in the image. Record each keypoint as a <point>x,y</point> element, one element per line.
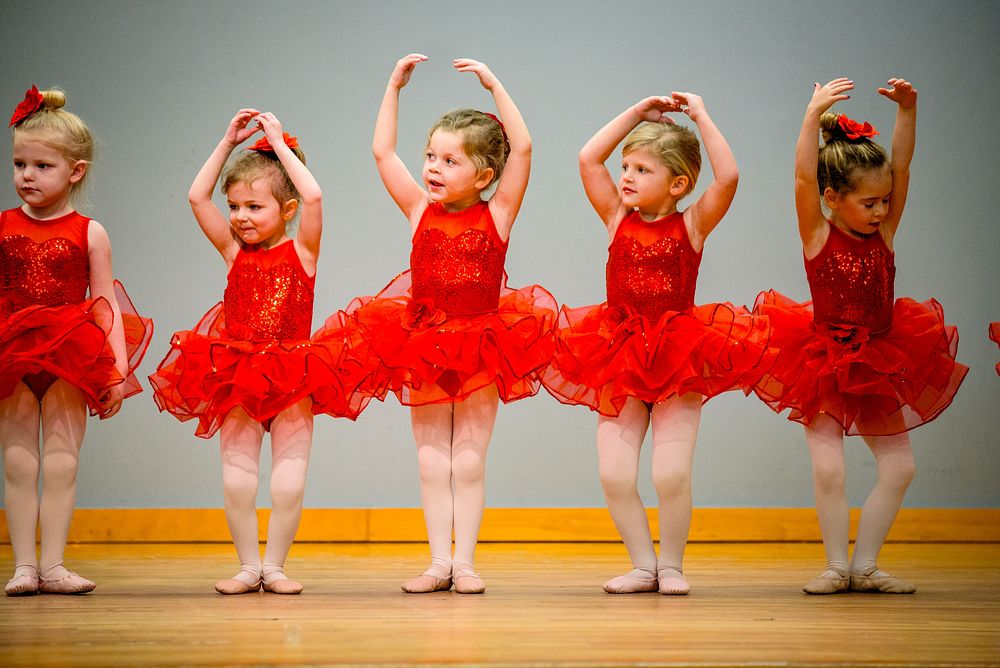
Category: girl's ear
<point>484,177</point>
<point>78,171</point>
<point>288,209</point>
<point>679,185</point>
<point>831,198</point>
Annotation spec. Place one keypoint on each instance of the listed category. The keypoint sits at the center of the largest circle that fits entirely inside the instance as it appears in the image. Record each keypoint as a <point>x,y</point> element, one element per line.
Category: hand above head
<point>690,104</point>
<point>239,129</point>
<point>404,68</point>
<point>271,126</point>
<point>486,77</point>
<point>824,97</point>
<point>901,92</point>
<point>655,109</point>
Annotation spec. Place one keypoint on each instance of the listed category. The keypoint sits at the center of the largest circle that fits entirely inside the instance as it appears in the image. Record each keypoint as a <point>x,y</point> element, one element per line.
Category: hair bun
<point>830,128</point>
<point>54,99</point>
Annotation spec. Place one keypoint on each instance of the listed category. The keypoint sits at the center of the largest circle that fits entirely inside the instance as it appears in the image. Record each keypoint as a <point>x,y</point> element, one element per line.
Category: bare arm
<point>904,137</point>
<point>102,284</point>
<point>402,187</point>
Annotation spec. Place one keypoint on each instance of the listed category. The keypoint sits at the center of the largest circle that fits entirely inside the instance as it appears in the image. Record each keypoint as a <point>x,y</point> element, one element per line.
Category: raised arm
<point>904,137</point>
<point>102,284</point>
<point>808,209</point>
<point>402,187</point>
<point>506,201</point>
<point>210,219</point>
<point>706,213</point>
<point>601,189</point>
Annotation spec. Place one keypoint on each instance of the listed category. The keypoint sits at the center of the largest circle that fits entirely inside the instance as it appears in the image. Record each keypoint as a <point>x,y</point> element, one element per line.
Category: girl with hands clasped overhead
<point>648,355</point>
<point>448,337</point>
<point>855,360</point>
<point>249,365</point>
<point>69,338</point>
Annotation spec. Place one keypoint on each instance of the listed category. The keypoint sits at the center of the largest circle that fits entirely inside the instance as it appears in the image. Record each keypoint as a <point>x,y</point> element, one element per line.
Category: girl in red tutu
<point>69,338</point>
<point>854,360</point>
<point>649,355</point>
<point>249,366</point>
<point>448,337</point>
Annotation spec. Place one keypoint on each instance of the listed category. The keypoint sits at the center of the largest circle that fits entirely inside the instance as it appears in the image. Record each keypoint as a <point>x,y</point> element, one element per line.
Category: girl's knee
<point>468,468</point>
<point>672,481</point>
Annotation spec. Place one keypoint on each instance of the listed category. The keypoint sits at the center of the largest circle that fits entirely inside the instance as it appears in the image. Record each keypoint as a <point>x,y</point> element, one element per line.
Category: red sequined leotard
<point>48,327</point>
<point>876,365</point>
<point>253,350</point>
<point>649,340</point>
<point>449,326</point>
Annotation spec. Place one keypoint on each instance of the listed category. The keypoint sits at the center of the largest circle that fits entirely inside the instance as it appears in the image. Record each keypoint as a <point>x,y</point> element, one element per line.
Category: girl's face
<point>255,215</point>
<point>863,209</point>
<point>449,174</point>
<point>44,177</point>
<point>648,185</point>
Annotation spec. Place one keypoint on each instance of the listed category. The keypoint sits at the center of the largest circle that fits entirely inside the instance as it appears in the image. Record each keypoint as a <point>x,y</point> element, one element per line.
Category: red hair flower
<point>31,103</point>
<point>421,314</point>
<point>264,146</point>
<point>854,130</point>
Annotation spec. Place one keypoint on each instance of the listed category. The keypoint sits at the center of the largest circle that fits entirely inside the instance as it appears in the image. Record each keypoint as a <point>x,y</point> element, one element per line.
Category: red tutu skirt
<point>881,384</point>
<point>426,357</point>
<point>210,370</point>
<point>40,344</point>
<point>604,355</point>
<point>995,337</point>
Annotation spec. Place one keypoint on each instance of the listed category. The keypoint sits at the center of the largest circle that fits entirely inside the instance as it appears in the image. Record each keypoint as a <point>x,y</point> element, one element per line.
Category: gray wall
<point>158,82</point>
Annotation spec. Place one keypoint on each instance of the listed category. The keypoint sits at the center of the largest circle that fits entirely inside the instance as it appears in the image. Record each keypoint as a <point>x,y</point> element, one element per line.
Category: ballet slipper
<point>24,583</point>
<point>876,581</point>
<point>275,581</point>
<point>249,582</point>
<point>831,581</point>
<point>468,581</point>
<point>66,582</point>
<point>671,582</point>
<point>429,581</point>
<point>636,581</point>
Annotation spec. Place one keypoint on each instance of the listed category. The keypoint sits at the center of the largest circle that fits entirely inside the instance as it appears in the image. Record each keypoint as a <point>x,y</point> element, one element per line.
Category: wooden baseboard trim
<point>208,525</point>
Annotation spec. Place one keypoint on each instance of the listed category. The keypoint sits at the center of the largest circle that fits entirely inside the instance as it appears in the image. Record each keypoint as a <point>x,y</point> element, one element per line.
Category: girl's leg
<point>240,438</point>
<point>619,441</point>
<point>64,421</point>
<point>432,432</point>
<point>19,415</point>
<point>291,440</point>
<point>473,428</point>
<point>894,460</point>
<point>675,429</point>
<point>826,447</point>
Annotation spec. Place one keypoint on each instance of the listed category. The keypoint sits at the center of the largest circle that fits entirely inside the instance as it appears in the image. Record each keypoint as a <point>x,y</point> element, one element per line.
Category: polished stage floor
<point>154,605</point>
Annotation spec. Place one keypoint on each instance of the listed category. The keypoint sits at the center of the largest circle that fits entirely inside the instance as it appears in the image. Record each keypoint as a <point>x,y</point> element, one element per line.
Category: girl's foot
<point>672,582</point>
<point>874,580</point>
<point>244,582</point>
<point>274,580</point>
<point>636,581</point>
<point>435,578</point>
<point>24,582</point>
<point>833,580</point>
<point>57,580</point>
<point>468,581</point>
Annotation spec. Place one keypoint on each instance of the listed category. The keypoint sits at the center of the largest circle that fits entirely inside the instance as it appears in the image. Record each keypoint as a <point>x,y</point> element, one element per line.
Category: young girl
<point>249,366</point>
<point>450,338</point>
<point>649,355</point>
<point>60,351</point>
<point>854,360</point>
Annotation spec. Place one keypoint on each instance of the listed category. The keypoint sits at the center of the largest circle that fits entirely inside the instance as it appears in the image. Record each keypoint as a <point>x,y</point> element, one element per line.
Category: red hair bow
<point>854,130</point>
<point>264,146</point>
<point>31,103</point>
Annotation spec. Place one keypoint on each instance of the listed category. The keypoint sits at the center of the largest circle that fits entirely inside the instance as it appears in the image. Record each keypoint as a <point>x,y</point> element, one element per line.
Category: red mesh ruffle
<point>40,344</point>
<point>426,357</point>
<point>995,337</point>
<point>879,384</point>
<point>208,373</point>
<point>606,354</point>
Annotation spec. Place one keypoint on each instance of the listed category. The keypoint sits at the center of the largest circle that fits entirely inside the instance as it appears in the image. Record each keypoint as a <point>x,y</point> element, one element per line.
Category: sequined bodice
<point>269,296</point>
<point>851,281</point>
<point>457,260</point>
<point>43,262</point>
<point>652,267</point>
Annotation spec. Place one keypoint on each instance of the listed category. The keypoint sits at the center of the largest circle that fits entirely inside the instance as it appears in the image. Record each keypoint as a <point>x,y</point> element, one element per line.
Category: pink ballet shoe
<point>250,582</point>
<point>875,581</point>
<point>636,581</point>
<point>671,582</point>
<point>276,582</point>
<point>426,583</point>
<point>68,583</point>
<point>25,584</point>
<point>468,581</point>
<point>831,581</point>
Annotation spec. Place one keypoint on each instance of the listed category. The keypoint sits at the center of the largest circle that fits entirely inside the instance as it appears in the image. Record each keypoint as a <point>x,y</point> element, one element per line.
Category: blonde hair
<point>253,165</point>
<point>675,146</point>
<point>842,160</point>
<point>483,138</point>
<point>62,130</point>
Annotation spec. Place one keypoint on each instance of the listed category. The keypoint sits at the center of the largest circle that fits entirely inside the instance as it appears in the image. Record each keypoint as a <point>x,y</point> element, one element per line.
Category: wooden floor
<point>155,605</point>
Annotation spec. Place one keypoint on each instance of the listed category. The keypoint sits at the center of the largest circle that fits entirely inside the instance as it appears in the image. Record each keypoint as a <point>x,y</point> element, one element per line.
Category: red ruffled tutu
<point>425,356</point>
<point>879,384</point>
<point>995,337</point>
<point>210,370</point>
<point>605,355</point>
<point>40,344</point>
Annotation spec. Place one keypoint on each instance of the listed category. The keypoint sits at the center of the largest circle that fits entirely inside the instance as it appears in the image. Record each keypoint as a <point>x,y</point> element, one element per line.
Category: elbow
<point>729,178</point>
<point>312,197</point>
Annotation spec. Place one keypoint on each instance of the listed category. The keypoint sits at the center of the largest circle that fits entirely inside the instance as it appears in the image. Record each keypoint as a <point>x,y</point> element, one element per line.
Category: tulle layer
<point>995,337</point>
<point>207,373</point>
<point>606,354</point>
<point>40,344</point>
<point>426,357</point>
<point>880,384</point>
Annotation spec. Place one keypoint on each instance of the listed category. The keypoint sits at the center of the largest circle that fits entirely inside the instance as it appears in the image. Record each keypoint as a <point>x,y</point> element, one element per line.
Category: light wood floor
<point>155,605</point>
